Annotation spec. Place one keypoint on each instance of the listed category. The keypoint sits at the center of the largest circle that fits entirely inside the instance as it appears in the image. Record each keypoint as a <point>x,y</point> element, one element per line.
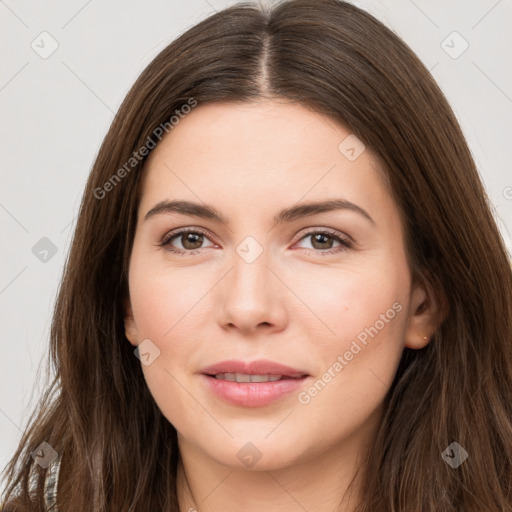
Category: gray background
<point>55,112</point>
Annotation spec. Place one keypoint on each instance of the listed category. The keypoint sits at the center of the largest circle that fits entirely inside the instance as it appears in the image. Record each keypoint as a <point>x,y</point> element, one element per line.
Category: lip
<point>253,394</point>
<point>259,367</point>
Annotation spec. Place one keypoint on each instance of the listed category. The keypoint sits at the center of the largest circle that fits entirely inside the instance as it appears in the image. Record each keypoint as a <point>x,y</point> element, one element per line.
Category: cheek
<point>158,306</point>
<point>341,303</point>
<point>167,305</point>
<point>162,296</point>
<point>362,317</point>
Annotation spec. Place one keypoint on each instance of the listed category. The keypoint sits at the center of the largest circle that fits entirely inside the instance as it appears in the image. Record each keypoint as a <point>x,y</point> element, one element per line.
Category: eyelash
<point>336,235</point>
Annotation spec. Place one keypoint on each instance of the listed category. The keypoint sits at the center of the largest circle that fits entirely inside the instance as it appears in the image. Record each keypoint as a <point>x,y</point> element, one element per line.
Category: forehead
<point>258,154</point>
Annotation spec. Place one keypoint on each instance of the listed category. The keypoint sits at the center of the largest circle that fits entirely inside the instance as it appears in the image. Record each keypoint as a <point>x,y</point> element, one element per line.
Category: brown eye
<point>322,242</point>
<point>191,240</point>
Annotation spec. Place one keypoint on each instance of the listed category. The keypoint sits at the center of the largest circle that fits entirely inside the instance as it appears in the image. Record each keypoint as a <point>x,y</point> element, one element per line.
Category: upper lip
<point>259,367</point>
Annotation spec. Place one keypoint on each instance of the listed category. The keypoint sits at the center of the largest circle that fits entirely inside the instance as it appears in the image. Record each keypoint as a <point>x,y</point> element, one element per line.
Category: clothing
<point>50,484</point>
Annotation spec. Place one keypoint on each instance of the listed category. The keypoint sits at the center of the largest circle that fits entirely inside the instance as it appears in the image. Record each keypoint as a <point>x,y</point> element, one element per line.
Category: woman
<point>207,359</point>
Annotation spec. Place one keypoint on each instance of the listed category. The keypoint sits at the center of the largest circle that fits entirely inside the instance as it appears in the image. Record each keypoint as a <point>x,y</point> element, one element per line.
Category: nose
<point>252,298</point>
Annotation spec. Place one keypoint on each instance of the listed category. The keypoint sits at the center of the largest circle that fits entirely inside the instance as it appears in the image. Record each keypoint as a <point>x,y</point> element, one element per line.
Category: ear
<point>130,328</point>
<point>423,317</point>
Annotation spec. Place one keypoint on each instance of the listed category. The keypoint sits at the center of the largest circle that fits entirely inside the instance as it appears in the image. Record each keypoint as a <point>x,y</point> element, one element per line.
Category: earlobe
<point>131,335</point>
<point>129,323</point>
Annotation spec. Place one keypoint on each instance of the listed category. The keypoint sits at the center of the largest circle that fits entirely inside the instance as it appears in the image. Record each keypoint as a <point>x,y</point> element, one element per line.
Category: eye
<point>322,240</point>
<point>190,239</point>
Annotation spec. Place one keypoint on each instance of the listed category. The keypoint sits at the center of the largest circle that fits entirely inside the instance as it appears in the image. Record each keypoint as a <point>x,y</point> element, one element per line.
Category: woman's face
<point>325,290</point>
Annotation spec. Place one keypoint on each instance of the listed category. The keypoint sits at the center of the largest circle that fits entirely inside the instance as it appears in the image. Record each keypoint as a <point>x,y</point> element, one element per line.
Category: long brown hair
<point>119,453</point>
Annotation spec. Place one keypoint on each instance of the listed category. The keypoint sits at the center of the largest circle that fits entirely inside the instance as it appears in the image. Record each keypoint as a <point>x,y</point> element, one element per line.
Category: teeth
<point>244,377</point>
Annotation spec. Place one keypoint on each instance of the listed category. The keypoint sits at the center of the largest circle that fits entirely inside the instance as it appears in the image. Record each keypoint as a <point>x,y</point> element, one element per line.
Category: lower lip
<point>252,394</point>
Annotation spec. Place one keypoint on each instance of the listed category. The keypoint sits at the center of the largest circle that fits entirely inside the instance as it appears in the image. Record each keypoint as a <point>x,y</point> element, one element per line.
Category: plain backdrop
<point>66,66</point>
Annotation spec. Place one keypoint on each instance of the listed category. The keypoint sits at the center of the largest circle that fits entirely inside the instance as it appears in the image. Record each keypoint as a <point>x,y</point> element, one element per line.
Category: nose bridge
<point>250,295</point>
<point>250,275</point>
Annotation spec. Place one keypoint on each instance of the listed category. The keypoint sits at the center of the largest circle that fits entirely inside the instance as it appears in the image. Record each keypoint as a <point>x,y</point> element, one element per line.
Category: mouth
<point>246,377</point>
<point>241,371</point>
<point>254,384</point>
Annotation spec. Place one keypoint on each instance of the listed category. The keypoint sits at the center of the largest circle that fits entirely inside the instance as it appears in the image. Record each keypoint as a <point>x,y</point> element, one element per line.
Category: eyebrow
<point>206,211</point>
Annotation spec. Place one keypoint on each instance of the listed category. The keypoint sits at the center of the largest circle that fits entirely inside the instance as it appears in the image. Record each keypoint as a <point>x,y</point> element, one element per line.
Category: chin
<point>258,454</point>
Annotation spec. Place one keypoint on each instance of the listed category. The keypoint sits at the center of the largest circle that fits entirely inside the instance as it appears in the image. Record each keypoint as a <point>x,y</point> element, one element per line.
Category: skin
<point>292,305</point>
